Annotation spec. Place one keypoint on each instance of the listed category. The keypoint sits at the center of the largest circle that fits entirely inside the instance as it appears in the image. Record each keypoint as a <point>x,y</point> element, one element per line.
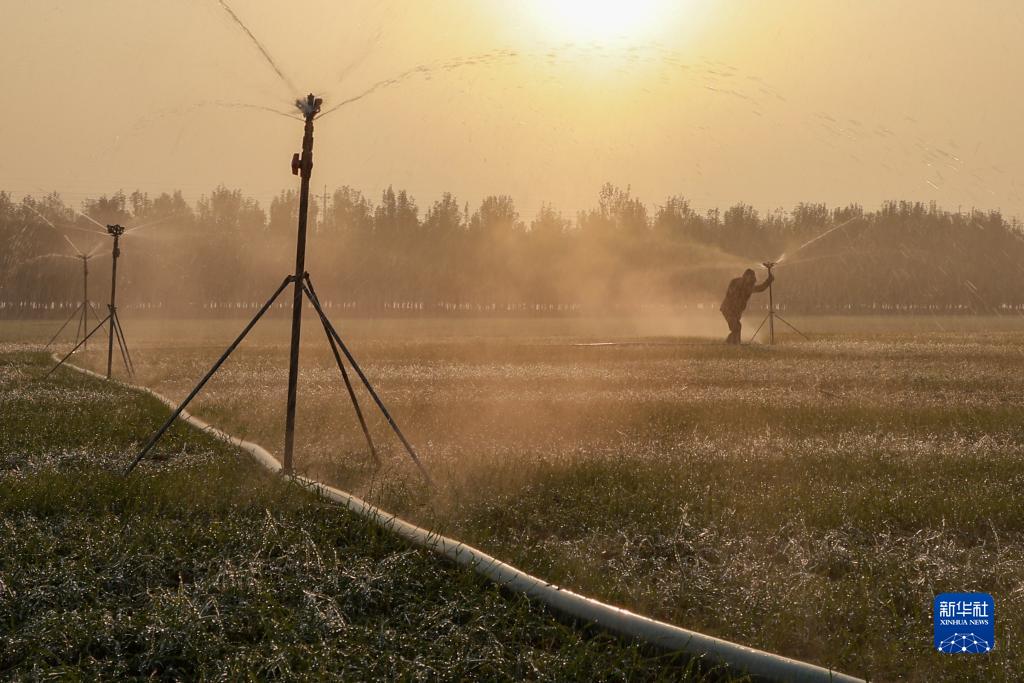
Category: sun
<point>586,20</point>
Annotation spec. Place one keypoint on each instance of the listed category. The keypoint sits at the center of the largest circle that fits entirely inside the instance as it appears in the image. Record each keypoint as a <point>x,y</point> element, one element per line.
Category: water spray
<point>259,46</point>
<point>771,265</point>
<point>302,290</point>
<point>814,240</point>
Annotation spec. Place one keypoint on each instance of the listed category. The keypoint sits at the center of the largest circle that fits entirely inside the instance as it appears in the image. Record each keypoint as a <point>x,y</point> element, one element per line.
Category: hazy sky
<point>766,102</point>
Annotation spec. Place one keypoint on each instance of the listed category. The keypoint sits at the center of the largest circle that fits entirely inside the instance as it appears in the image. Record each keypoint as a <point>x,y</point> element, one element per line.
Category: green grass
<point>809,499</point>
<point>202,566</point>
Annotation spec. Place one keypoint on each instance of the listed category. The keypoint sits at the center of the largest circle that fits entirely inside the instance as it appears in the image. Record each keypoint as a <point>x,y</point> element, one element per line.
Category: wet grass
<point>202,566</point>
<point>809,499</point>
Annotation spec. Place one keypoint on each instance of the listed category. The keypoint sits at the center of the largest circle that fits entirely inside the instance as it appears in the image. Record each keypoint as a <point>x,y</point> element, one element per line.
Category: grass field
<point>205,567</point>
<point>809,498</point>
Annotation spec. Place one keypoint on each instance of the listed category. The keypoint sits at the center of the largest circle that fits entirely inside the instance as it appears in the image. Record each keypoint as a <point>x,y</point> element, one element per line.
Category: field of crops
<point>205,567</point>
<point>809,498</point>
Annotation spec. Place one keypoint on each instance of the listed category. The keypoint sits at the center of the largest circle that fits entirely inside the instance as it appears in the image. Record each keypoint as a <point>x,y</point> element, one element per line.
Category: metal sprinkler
<point>116,231</point>
<point>302,284</point>
<point>772,314</point>
<point>112,320</point>
<point>81,311</point>
<point>770,265</point>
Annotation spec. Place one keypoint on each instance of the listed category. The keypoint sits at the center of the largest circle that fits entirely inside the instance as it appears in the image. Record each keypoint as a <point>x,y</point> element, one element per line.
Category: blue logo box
<point>965,623</point>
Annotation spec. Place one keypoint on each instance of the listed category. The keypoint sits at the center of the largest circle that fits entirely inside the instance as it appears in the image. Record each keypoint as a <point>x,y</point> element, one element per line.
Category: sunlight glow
<point>603,19</point>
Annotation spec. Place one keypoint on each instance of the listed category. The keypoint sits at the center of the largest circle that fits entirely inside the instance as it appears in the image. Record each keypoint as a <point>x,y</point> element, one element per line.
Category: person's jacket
<point>738,294</point>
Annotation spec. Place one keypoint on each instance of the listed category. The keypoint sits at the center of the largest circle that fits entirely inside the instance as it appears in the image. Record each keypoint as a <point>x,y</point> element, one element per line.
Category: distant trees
<point>450,256</point>
<point>350,213</point>
<point>617,214</point>
<point>225,210</point>
<point>109,210</point>
<point>167,206</point>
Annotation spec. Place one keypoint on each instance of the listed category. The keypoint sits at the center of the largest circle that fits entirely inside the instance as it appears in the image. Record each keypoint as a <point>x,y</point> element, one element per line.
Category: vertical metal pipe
<point>305,170</point>
<point>771,311</point>
<point>85,297</point>
<point>113,301</point>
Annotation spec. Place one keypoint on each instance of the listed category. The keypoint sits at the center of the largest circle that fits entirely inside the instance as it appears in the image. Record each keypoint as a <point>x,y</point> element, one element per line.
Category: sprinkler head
<point>770,264</point>
<point>115,230</point>
<point>310,106</point>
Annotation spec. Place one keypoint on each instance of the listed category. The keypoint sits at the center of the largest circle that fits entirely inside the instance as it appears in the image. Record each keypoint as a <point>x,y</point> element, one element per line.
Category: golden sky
<point>721,101</point>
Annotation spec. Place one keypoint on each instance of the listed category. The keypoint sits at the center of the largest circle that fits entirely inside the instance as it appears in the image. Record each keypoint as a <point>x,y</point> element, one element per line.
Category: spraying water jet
<point>259,46</point>
<point>773,315</point>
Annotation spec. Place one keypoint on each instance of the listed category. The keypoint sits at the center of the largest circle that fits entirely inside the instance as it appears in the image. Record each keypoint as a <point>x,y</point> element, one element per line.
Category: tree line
<point>389,253</point>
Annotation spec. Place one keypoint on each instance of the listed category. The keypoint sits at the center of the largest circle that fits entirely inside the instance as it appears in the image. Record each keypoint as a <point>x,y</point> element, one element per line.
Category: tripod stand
<point>772,315</point>
<point>112,320</point>
<point>84,307</point>
<point>302,165</point>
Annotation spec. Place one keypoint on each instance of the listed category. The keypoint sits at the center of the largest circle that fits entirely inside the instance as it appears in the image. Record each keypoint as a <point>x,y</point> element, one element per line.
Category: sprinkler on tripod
<point>772,315</point>
<point>303,290</point>
<point>112,320</point>
<point>82,310</point>
<point>114,329</point>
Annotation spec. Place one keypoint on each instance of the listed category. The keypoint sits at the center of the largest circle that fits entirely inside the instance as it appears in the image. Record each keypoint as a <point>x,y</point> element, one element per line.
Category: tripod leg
<point>70,318</point>
<point>129,365</point>
<point>84,324</point>
<point>78,328</point>
<point>216,366</point>
<point>77,346</point>
<point>119,335</point>
<point>754,336</point>
<point>351,392</point>
<point>779,317</point>
<point>311,295</point>
<point>95,313</point>
<point>124,344</point>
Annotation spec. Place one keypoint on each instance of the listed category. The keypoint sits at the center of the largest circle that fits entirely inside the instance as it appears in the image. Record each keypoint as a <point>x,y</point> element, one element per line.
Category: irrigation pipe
<point>614,619</point>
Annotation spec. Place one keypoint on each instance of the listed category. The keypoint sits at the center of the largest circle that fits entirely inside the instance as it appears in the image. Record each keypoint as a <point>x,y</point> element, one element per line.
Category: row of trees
<point>227,249</point>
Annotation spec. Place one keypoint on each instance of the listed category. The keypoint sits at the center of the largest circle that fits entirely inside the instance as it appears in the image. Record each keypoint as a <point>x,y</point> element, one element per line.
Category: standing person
<point>736,298</point>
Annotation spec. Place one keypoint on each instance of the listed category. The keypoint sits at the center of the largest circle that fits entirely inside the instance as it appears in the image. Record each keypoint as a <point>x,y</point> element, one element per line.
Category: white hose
<point>623,622</point>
